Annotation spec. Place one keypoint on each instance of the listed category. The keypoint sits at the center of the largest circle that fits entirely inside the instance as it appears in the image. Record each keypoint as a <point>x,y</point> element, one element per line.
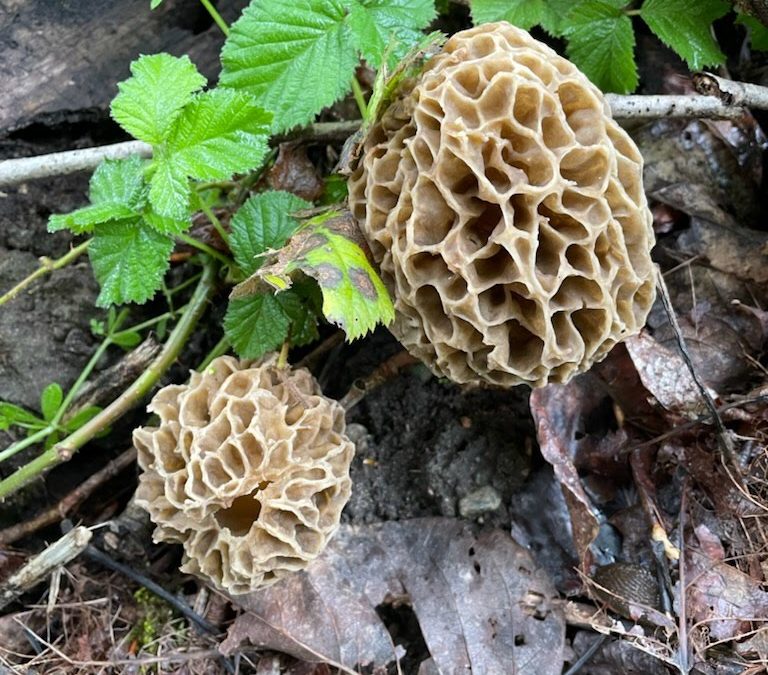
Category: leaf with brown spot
<point>330,249</point>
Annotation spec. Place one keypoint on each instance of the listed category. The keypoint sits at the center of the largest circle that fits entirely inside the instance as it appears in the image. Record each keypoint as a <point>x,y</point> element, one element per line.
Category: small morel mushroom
<point>506,210</point>
<point>248,469</point>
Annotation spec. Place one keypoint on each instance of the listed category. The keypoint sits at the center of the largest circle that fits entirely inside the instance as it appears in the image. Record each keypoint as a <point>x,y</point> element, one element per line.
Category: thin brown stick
<point>70,501</point>
<point>386,371</point>
<point>724,440</point>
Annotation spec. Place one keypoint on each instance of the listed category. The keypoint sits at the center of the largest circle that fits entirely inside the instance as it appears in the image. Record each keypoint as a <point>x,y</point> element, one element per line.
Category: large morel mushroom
<point>506,210</point>
<point>248,469</point>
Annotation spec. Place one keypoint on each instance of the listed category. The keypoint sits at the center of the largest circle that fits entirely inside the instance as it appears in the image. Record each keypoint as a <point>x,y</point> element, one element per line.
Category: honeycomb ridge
<point>248,470</point>
<point>506,210</point>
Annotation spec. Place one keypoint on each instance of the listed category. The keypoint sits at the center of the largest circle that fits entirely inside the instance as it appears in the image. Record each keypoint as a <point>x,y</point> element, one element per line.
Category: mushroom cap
<point>506,210</point>
<point>248,470</point>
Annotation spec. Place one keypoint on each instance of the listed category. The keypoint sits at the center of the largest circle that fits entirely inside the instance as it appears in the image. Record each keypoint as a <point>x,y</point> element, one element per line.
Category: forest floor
<point>571,511</point>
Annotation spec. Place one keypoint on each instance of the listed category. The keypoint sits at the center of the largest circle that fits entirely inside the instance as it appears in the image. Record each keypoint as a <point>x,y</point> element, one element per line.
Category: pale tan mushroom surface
<point>505,208</point>
<point>248,470</point>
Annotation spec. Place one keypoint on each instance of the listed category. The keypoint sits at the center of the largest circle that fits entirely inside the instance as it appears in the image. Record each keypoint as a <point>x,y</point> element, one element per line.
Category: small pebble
<point>479,501</point>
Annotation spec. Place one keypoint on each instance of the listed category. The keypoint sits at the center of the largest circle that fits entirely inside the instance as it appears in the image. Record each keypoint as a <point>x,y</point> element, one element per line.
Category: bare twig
<point>724,440</point>
<point>46,267</point>
<point>720,99</point>
<point>59,163</point>
<point>730,92</point>
<point>103,559</point>
<point>59,553</point>
<point>78,495</point>
<point>662,105</point>
<point>14,171</point>
<point>386,371</point>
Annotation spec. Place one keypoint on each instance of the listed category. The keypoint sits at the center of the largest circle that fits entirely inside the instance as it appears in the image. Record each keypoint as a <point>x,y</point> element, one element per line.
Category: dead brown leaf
<point>482,604</point>
<point>719,595</point>
<point>557,411</point>
<point>294,172</point>
<point>664,373</point>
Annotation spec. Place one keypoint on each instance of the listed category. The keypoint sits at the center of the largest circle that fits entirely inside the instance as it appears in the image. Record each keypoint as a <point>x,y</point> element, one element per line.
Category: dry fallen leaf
<point>719,595</point>
<point>557,411</point>
<point>481,603</point>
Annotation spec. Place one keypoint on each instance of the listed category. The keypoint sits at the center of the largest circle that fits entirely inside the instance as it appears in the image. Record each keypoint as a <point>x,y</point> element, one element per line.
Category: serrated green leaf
<point>255,325</point>
<point>117,192</point>
<point>85,219</point>
<point>354,297</point>
<point>85,415</point>
<point>50,400</point>
<point>295,56</point>
<point>601,41</point>
<point>165,225</point>
<point>758,33</point>
<point>129,261</point>
<point>685,26</point>
<point>119,181</point>
<point>221,132</point>
<point>11,414</point>
<point>150,101</point>
<point>376,23</point>
<point>169,190</point>
<point>264,222</point>
<point>523,13</point>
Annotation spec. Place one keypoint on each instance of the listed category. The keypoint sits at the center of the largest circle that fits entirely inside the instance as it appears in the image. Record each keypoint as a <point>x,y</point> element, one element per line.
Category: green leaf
<point>50,400</point>
<point>601,41</point>
<point>79,419</point>
<point>51,440</point>
<point>375,23</point>
<point>164,224</point>
<point>295,56</point>
<point>151,100</point>
<point>11,414</point>
<point>126,339</point>
<point>523,13</point>
<point>85,219</point>
<point>354,297</point>
<point>221,132</point>
<point>169,191</point>
<point>758,33</point>
<point>685,26</point>
<point>297,303</point>
<point>264,222</point>
<point>129,261</point>
<point>117,192</point>
<point>255,325</point>
<point>154,4</point>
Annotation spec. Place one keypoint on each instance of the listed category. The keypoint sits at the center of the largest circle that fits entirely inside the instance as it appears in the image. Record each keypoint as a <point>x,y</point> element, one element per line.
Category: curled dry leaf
<point>295,173</point>
<point>482,604</point>
<point>557,411</point>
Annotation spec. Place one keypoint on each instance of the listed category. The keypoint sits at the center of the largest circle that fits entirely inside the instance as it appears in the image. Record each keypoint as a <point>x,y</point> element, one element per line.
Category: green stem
<point>64,449</point>
<point>219,349</point>
<point>357,92</point>
<point>216,17</point>
<point>208,211</point>
<point>80,381</point>
<point>200,246</point>
<point>17,447</point>
<point>46,265</point>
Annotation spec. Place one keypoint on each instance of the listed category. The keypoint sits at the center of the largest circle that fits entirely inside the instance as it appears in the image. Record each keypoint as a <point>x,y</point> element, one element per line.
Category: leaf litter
<point>481,603</point>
